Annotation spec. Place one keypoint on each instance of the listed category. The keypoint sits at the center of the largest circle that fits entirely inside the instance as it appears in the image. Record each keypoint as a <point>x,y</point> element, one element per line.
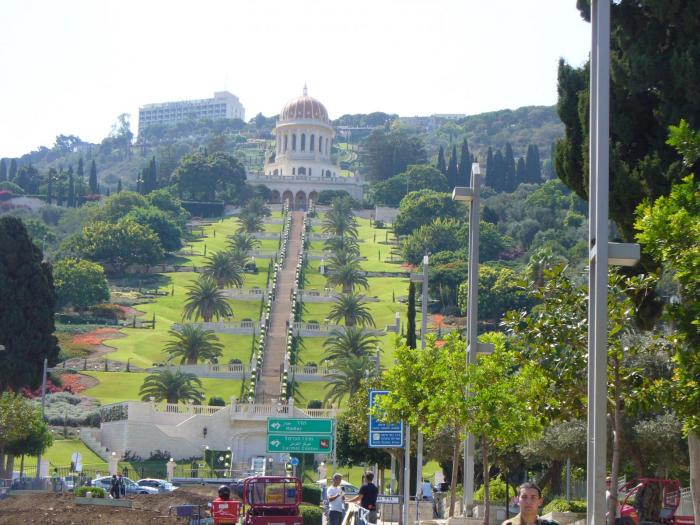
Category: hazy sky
<point>70,66</point>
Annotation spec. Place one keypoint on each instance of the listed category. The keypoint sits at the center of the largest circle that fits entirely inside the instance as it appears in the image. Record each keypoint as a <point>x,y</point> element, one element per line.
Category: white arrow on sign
<point>275,443</point>
<point>275,425</point>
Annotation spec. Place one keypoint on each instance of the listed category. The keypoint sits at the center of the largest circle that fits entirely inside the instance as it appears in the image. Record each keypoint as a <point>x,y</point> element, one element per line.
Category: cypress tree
<point>71,189</point>
<point>28,302</point>
<point>509,180</point>
<point>520,171</point>
<point>49,185</point>
<point>411,315</point>
<point>93,178</point>
<point>3,170</point>
<point>441,161</point>
<point>465,165</point>
<point>532,164</point>
<point>489,180</point>
<point>13,170</point>
<point>81,170</point>
<point>452,169</point>
<point>499,166</point>
<point>119,186</point>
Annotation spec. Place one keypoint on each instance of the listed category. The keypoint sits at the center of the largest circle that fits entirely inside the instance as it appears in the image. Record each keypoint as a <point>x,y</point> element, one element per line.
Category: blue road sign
<point>383,435</point>
<point>294,461</point>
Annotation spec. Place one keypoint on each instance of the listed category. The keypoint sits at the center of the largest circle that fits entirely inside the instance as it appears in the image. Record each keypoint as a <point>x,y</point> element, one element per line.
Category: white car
<point>349,489</point>
<point>160,484</point>
<point>130,485</point>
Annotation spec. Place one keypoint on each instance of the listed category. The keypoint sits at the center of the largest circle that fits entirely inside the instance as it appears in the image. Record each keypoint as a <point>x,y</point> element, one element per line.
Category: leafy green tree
<point>352,309</point>
<point>172,387</point>
<point>423,207</point>
<point>35,442</point>
<point>417,177</point>
<point>15,423</point>
<point>350,341</point>
<point>500,290</point>
<point>205,300</point>
<point>27,308</point>
<point>387,153</point>
<point>118,245</point>
<point>200,176</point>
<point>223,269</point>
<point>192,344</point>
<point>163,225</point>
<point>28,179</point>
<point>669,231</point>
<point>93,178</point>
<point>80,283</point>
<point>520,173</point>
<point>437,236</point>
<point>119,205</point>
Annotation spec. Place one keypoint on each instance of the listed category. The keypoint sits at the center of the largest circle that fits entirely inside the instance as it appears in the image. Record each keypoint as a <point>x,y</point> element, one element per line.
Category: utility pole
<point>43,404</point>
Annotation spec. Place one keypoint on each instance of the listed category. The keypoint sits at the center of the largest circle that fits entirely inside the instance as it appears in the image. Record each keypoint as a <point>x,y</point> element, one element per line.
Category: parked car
<point>130,485</point>
<point>349,489</point>
<point>160,484</point>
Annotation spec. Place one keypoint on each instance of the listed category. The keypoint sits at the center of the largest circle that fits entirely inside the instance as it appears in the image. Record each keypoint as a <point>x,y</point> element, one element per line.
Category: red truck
<point>272,500</point>
<point>651,501</point>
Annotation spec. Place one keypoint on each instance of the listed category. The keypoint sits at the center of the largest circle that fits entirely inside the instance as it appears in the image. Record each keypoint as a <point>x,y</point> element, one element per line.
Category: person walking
<point>114,489</point>
<point>367,498</point>
<point>336,501</point>
<point>529,500</point>
<point>122,485</point>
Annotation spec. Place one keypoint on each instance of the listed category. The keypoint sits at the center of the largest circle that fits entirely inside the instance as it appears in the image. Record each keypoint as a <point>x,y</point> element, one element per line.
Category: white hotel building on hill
<point>223,105</point>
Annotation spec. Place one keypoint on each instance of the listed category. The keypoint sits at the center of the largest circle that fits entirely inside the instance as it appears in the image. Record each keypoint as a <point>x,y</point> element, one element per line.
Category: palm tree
<point>352,309</point>
<point>349,276</point>
<point>192,344</point>
<point>224,269</point>
<point>172,387</point>
<point>348,376</point>
<point>250,222</point>
<point>339,225</point>
<point>350,341</point>
<point>344,244</point>
<point>258,207</point>
<point>205,300</point>
<point>243,242</point>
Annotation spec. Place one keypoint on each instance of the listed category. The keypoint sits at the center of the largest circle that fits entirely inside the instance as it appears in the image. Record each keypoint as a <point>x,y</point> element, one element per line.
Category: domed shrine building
<point>301,165</point>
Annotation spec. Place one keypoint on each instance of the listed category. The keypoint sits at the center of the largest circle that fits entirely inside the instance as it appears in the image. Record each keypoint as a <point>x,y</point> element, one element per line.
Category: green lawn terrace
<point>115,387</point>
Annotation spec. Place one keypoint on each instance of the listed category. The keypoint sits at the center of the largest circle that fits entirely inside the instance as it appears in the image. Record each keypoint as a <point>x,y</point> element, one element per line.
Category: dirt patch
<point>60,509</point>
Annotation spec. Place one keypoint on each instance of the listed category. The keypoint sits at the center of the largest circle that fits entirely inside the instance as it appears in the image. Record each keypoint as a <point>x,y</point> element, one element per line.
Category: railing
<point>260,410</point>
<point>189,408</point>
<point>320,412</point>
<point>311,370</point>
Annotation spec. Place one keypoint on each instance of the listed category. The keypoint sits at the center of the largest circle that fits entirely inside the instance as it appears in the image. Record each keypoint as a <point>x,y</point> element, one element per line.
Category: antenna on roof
<point>306,90</point>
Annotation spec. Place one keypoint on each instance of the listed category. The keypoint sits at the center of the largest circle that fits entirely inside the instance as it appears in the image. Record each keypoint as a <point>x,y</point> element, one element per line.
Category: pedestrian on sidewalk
<point>529,500</point>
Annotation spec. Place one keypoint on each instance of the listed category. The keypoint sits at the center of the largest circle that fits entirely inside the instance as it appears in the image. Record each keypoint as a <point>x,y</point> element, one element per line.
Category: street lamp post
<point>602,253</point>
<point>423,279</point>
<point>43,404</point>
<point>471,195</point>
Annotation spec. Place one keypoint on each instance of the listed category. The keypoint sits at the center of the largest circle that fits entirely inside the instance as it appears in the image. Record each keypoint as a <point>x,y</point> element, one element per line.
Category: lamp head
<point>462,194</point>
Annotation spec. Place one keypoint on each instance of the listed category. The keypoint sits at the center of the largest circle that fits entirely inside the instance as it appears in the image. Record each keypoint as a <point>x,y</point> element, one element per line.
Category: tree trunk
<point>485,461</point>
<point>555,483</point>
<point>21,466</point>
<point>455,466</point>
<point>10,465</point>
<point>617,435</point>
<point>694,453</point>
<point>2,461</point>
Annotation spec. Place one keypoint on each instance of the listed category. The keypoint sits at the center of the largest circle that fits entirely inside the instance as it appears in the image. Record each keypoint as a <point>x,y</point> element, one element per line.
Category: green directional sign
<point>299,426</point>
<point>301,443</point>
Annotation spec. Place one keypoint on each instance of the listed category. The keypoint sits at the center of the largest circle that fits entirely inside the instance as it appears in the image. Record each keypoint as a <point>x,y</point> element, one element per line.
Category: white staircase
<point>89,436</point>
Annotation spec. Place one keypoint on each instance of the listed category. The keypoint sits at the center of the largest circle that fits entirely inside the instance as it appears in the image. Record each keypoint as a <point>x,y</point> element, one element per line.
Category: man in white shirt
<point>336,497</point>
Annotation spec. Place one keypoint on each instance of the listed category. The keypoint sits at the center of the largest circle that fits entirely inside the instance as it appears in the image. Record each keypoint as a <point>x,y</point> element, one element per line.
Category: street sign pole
<point>406,475</point>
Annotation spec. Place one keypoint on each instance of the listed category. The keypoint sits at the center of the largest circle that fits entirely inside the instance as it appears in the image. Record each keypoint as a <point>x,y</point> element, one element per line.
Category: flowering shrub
<point>95,337</point>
